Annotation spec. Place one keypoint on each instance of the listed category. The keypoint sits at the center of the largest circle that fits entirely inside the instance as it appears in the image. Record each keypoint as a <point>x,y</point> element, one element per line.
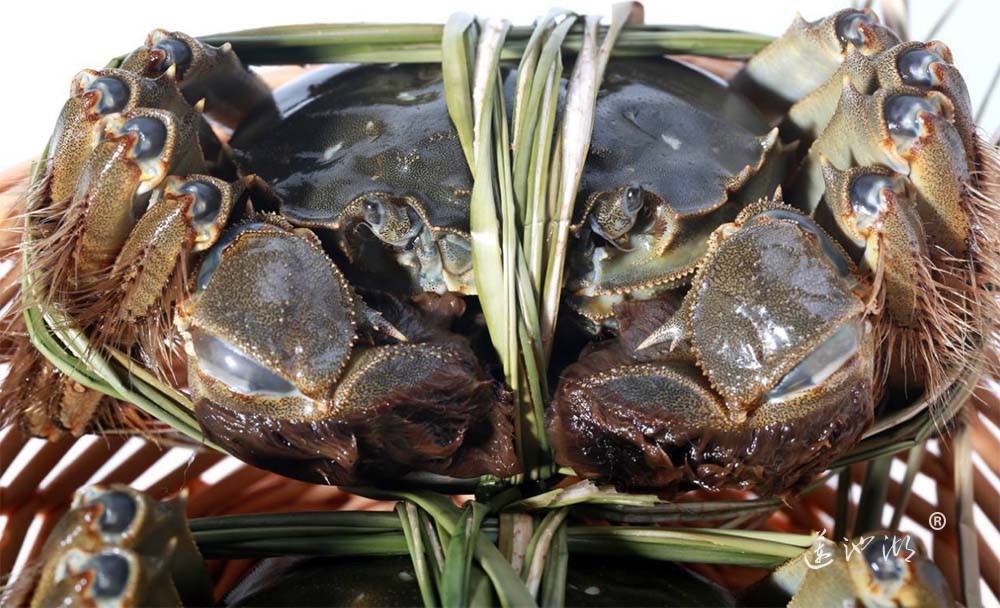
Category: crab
<point>311,273</point>
<point>771,337</point>
<point>885,241</point>
<point>141,241</point>
<point>891,569</point>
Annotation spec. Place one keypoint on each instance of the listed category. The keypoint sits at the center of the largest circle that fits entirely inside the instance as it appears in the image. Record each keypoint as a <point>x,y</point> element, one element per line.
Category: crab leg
<point>185,216</point>
<point>94,95</point>
<point>214,74</point>
<point>912,64</point>
<point>113,270</point>
<point>909,131</point>
<point>807,54</point>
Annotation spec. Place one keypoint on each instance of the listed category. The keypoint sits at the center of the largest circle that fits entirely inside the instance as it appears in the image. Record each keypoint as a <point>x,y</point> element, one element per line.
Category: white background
<point>44,43</point>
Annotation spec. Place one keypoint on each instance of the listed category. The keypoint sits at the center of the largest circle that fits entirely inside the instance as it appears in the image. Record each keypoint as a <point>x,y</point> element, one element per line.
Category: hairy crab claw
<point>772,379</point>
<point>674,154</point>
<point>280,380</point>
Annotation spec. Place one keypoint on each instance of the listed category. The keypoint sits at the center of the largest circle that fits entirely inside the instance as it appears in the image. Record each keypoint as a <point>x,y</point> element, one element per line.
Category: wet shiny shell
<point>344,133</point>
<point>660,120</point>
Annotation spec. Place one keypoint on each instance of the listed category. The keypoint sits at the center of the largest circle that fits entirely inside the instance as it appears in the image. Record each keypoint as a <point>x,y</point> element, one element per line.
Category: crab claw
<point>774,381</point>
<point>278,380</point>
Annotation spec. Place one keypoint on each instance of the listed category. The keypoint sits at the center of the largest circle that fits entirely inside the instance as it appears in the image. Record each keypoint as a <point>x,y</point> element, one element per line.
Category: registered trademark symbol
<point>937,520</point>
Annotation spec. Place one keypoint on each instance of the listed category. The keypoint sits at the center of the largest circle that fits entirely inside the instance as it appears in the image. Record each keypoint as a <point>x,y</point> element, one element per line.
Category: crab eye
<point>175,52</point>
<point>151,136</point>
<point>222,361</point>
<point>915,67</point>
<point>119,512</point>
<point>820,364</point>
<point>885,565</point>
<point>112,94</point>
<point>849,27</point>
<point>207,202</point>
<point>111,574</point>
<point>902,114</point>
<point>373,211</point>
<point>867,198</point>
<point>633,199</point>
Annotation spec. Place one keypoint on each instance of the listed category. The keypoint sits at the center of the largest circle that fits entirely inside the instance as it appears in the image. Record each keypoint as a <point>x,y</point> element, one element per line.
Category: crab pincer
<point>280,379</point>
<point>761,378</point>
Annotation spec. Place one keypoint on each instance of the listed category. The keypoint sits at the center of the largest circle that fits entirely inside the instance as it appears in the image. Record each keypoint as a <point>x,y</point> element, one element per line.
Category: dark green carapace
<point>370,155</point>
<point>674,154</point>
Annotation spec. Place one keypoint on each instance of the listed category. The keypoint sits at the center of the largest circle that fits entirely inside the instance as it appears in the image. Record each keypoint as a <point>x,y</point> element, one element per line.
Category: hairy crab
<point>889,284</point>
<point>302,375</point>
<point>775,259</point>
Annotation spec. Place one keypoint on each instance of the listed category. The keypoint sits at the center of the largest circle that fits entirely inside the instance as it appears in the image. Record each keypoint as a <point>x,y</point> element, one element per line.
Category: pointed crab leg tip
<point>660,335</point>
<point>171,72</point>
<point>199,107</point>
<point>392,330</point>
<point>769,140</point>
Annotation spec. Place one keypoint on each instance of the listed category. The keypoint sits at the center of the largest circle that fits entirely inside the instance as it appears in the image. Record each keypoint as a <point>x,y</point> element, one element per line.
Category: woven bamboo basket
<point>39,477</point>
<point>45,475</point>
